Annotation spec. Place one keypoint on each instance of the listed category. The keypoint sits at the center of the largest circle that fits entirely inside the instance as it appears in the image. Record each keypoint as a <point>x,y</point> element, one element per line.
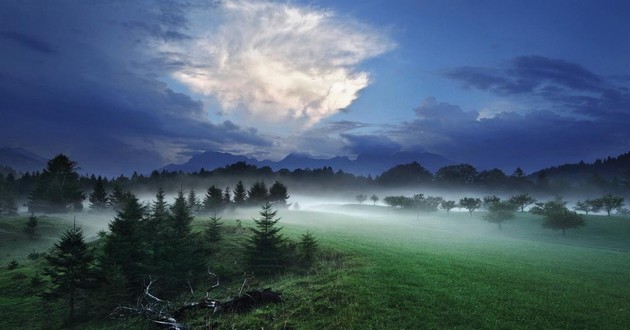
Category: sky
<point>135,85</point>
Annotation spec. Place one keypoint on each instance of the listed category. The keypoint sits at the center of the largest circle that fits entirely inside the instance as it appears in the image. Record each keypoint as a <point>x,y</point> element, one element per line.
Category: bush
<point>13,264</point>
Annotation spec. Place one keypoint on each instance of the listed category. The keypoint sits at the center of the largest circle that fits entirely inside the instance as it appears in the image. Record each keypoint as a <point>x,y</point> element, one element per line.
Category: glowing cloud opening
<point>280,61</point>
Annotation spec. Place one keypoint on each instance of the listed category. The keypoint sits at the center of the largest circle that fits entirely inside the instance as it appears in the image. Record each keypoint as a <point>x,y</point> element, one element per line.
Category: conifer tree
<point>213,231</point>
<point>69,268</point>
<point>278,194</point>
<point>213,201</point>
<point>98,197</point>
<point>58,188</point>
<point>240,194</point>
<point>308,247</point>
<point>258,194</point>
<point>180,257</point>
<point>193,201</point>
<point>30,229</point>
<point>227,197</point>
<point>126,246</point>
<point>118,197</point>
<point>265,251</point>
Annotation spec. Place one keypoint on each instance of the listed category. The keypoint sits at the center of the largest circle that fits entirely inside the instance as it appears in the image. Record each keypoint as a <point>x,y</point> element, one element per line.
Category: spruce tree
<point>213,231</point>
<point>118,198</point>
<point>213,201</point>
<point>126,246</point>
<point>69,268</point>
<point>308,247</point>
<point>278,194</point>
<point>240,194</point>
<point>193,201</point>
<point>258,194</point>
<point>30,229</point>
<point>265,252</point>
<point>98,197</point>
<point>179,257</point>
<point>58,188</point>
<point>227,197</point>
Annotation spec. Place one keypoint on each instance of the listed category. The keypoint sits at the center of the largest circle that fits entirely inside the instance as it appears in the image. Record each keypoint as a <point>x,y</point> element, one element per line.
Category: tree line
<point>60,179</point>
<point>556,214</point>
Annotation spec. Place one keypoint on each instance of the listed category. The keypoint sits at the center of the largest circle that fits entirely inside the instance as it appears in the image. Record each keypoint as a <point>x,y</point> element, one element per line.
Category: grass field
<point>399,271</point>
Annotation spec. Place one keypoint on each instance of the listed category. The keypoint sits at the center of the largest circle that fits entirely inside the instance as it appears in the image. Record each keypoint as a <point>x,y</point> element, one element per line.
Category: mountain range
<point>365,164</point>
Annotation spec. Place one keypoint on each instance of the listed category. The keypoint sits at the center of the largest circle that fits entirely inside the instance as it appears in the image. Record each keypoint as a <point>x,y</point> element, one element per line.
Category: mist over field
<point>314,164</point>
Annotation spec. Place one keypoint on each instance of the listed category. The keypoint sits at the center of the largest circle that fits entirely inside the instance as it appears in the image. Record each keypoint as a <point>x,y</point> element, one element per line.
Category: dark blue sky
<point>134,85</point>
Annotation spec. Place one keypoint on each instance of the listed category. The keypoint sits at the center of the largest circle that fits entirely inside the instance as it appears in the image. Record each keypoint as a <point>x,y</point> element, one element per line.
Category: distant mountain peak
<point>365,164</point>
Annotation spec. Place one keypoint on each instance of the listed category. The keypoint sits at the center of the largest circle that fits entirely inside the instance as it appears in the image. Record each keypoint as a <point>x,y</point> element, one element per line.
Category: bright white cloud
<point>278,61</point>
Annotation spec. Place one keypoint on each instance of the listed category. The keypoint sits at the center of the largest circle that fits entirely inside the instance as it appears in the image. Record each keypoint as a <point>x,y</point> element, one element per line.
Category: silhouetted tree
<point>556,215</point>
<point>227,196</point>
<point>610,203</point>
<point>118,198</point>
<point>489,200</point>
<point>240,194</point>
<point>405,175</point>
<point>58,188</point>
<point>213,201</point>
<point>499,212</point>
<point>98,197</point>
<point>265,252</point>
<point>374,199</point>
<point>462,174</point>
<point>213,230</point>
<point>30,228</point>
<point>448,205</point>
<point>193,201</point>
<point>69,268</point>
<point>126,246</point>
<point>307,249</point>
<point>471,204</point>
<point>258,193</point>
<point>522,200</point>
<point>361,198</point>
<point>278,194</point>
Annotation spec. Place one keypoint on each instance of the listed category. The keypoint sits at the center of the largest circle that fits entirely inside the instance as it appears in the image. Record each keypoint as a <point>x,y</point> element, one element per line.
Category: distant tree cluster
<point>607,203</point>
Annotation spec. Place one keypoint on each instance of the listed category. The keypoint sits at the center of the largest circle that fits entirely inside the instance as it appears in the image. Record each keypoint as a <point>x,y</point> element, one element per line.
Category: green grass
<point>456,272</point>
<point>14,244</point>
<point>388,269</point>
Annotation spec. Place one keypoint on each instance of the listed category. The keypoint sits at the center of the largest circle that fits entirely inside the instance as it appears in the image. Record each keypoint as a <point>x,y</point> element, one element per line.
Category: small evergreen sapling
<point>307,249</point>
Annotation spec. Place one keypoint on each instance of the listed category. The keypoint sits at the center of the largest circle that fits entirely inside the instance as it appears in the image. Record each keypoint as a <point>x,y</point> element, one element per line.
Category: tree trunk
<point>564,232</point>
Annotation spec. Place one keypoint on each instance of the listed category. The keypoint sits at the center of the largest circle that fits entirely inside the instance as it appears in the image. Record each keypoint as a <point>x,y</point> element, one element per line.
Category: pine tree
<point>213,201</point>
<point>258,194</point>
<point>213,231</point>
<point>69,268</point>
<point>180,255</point>
<point>240,195</point>
<point>126,246</point>
<point>227,197</point>
<point>98,197</point>
<point>308,247</point>
<point>193,201</point>
<point>30,229</point>
<point>118,198</point>
<point>58,188</point>
<point>278,194</point>
<point>265,251</point>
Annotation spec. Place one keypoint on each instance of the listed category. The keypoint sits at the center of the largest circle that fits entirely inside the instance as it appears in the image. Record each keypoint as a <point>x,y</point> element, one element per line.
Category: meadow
<point>384,268</point>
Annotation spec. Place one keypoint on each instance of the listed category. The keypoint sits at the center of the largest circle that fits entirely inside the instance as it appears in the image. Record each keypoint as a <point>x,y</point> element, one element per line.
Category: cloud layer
<point>277,61</point>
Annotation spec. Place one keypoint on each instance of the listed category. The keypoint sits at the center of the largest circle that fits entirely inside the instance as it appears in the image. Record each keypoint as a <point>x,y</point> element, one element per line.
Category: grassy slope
<point>458,272</point>
<point>449,272</point>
